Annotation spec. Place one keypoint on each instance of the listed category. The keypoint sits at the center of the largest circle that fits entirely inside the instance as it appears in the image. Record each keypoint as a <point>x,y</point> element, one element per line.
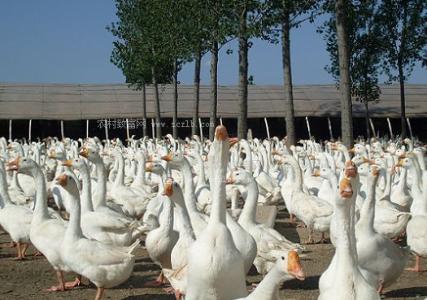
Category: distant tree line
<point>365,39</point>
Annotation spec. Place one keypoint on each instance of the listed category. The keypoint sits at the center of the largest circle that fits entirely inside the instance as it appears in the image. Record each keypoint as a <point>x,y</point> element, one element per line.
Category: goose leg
<point>18,250</point>
<point>73,284</point>
<point>60,286</point>
<point>178,295</point>
<point>310,235</point>
<point>24,250</point>
<point>381,287</point>
<point>417,267</point>
<point>292,219</point>
<point>160,280</point>
<point>99,293</point>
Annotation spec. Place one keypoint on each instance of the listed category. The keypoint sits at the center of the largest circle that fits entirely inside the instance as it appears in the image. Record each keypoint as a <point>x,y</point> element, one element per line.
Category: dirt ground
<point>27,279</point>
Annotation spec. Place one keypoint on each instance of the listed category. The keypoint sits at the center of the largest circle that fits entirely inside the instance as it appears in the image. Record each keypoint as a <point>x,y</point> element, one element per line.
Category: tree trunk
<point>402,101</point>
<point>368,132</point>
<point>242,120</point>
<point>196,93</point>
<point>214,89</point>
<point>175,100</point>
<point>287,80</point>
<point>144,111</point>
<point>157,103</point>
<point>343,55</point>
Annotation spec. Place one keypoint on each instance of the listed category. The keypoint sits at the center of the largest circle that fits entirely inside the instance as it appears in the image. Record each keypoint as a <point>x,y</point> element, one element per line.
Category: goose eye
<point>283,258</point>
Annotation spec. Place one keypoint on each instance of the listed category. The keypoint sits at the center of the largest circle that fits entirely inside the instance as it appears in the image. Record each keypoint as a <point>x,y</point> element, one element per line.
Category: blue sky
<point>66,42</point>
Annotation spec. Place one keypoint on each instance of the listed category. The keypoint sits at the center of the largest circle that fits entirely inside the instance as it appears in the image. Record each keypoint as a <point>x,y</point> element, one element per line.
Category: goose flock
<point>88,205</point>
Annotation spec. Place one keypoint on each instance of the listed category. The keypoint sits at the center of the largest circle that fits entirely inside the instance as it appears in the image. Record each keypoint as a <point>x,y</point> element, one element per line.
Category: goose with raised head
<point>99,193</point>
<point>343,279</point>
<point>268,240</point>
<point>215,266</point>
<point>14,219</point>
<point>154,207</point>
<point>179,162</point>
<point>106,226</point>
<point>160,241</point>
<point>46,233</point>
<point>133,200</point>
<point>381,261</point>
<point>286,267</point>
<point>416,228</point>
<point>314,212</point>
<point>104,265</point>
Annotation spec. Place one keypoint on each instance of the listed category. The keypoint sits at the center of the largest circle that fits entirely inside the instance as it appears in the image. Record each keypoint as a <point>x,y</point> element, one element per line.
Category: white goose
<point>46,233</point>
<point>267,239</point>
<point>104,265</point>
<point>343,279</point>
<point>381,260</point>
<point>215,266</point>
<point>160,241</point>
<point>15,219</point>
<point>314,212</point>
<point>416,229</point>
<point>286,267</point>
<point>106,226</point>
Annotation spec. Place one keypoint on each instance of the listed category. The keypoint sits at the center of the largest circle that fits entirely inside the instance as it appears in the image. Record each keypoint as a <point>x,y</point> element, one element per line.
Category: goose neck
<point>270,285</point>
<point>367,212</point>
<point>87,205</point>
<point>189,194</point>
<point>101,183</point>
<point>74,229</point>
<point>344,247</point>
<point>120,177</point>
<point>248,214</point>
<point>40,209</point>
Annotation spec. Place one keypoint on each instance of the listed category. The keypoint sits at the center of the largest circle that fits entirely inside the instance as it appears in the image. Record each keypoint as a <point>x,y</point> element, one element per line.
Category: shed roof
<point>98,101</point>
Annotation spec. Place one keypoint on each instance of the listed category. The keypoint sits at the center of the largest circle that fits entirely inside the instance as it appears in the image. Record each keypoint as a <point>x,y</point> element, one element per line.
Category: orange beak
<point>168,157</point>
<point>168,191</point>
<point>350,169</point>
<point>52,154</point>
<point>294,266</point>
<point>61,180</point>
<point>148,167</point>
<point>149,158</point>
<point>230,180</point>
<point>351,150</point>
<point>345,188</point>
<point>369,161</point>
<point>13,165</point>
<point>375,171</point>
<point>233,141</point>
<point>84,152</point>
<point>334,146</point>
<point>221,133</point>
<point>316,173</point>
<point>67,163</point>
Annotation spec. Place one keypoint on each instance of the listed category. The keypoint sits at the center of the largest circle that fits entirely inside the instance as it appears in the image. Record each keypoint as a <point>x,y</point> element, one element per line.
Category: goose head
<point>23,165</point>
<point>174,192</point>
<point>350,169</point>
<point>240,177</point>
<point>290,264</point>
<point>90,153</point>
<point>77,163</point>
<point>345,189</point>
<point>68,181</point>
<point>154,167</point>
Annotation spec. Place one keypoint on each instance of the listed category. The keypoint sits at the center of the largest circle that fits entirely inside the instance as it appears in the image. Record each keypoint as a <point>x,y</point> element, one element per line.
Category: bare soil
<point>27,279</point>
